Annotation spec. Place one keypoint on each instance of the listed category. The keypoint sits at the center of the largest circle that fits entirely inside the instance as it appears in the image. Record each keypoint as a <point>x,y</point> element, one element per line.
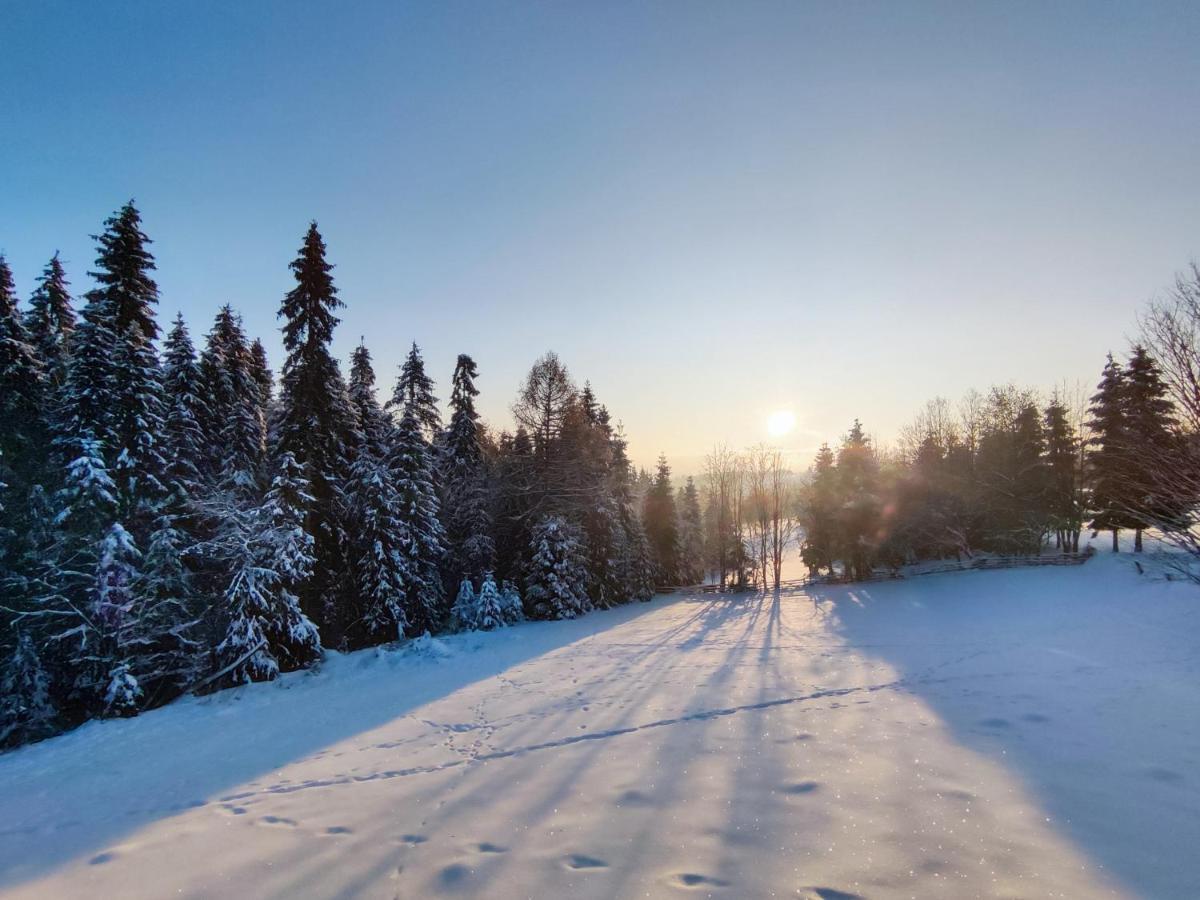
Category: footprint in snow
<point>101,858</point>
<point>454,875</point>
<point>827,893</point>
<point>338,829</point>
<point>579,861</point>
<point>802,787</point>
<point>692,880</point>
<point>413,839</point>
<point>634,798</point>
<point>278,820</point>
<point>995,723</point>
<point>485,847</point>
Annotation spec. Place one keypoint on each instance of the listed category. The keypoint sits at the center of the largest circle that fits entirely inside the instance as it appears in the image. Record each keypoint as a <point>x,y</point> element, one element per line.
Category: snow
<point>995,734</point>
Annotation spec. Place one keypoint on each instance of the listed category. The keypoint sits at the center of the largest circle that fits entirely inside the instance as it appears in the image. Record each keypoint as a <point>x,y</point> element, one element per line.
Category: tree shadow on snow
<point>1062,677</point>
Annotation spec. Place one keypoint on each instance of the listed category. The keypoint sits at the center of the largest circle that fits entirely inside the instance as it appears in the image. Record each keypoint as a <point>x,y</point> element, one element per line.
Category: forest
<point>178,518</point>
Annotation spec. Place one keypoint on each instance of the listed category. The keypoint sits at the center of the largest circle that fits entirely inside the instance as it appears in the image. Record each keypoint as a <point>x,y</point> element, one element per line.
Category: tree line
<point>1003,473</point>
<point>180,519</point>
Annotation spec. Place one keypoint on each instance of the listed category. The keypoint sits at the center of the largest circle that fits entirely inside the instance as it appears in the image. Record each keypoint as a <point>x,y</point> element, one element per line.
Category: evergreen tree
<point>270,553</point>
<point>260,371</point>
<point>857,520</point>
<point>1151,443</point>
<point>414,391</point>
<point>1108,455</point>
<point>511,608</point>
<point>122,273</point>
<point>316,424</point>
<point>50,321</point>
<point>820,510</point>
<point>21,390</point>
<point>661,523</point>
<point>556,577</point>
<point>470,550</point>
<point>1062,460</point>
<point>182,435</point>
<point>233,420</point>
<point>373,422</point>
<point>26,711</point>
<point>423,548</point>
<point>691,534</point>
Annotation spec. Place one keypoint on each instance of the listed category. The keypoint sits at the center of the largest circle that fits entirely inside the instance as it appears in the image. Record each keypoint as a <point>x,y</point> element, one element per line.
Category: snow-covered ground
<point>1027,733</point>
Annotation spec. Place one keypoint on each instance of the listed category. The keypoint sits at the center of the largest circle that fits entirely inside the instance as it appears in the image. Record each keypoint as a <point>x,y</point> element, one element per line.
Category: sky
<point>712,211</point>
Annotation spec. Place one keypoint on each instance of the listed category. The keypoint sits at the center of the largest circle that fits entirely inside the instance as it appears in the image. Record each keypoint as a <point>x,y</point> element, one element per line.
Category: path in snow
<point>1006,734</point>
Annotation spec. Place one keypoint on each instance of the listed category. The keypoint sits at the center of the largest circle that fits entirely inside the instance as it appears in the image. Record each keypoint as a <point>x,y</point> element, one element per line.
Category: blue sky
<point>712,211</point>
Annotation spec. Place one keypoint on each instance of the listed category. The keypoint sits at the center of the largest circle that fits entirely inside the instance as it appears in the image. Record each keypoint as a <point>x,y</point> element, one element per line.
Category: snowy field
<point>1027,733</point>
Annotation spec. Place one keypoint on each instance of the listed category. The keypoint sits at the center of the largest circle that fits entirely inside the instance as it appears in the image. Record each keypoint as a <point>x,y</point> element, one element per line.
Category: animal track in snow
<point>579,861</point>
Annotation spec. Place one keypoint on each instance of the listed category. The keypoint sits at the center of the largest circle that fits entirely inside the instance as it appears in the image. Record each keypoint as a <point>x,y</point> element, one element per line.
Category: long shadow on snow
<point>1056,675</point>
<point>65,798</point>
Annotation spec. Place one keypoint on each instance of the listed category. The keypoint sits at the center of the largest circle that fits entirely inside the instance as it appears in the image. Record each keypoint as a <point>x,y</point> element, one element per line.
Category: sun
<point>780,422</point>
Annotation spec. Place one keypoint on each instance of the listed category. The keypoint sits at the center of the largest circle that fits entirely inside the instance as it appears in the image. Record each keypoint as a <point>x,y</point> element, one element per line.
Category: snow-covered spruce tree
<point>50,320</point>
<point>512,610</point>
<point>269,553</point>
<point>376,426</point>
<point>26,712</point>
<point>414,391</point>
<point>556,576</point>
<point>260,370</point>
<point>233,419</point>
<point>470,549</point>
<point>107,663</point>
<point>411,470</point>
<point>183,437</point>
<point>316,424</point>
<point>21,393</point>
<point>482,611</point>
<point>1151,422</point>
<point>139,468</point>
<point>376,536</point>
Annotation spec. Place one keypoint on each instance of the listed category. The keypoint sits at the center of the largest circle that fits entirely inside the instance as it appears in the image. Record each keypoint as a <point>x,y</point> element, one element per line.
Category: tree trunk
<point>1116,546</point>
<point>1137,540</point>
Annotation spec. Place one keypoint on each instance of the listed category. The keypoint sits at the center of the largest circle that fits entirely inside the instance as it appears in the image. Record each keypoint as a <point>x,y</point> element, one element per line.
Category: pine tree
<point>113,608</point>
<point>373,422</point>
<point>1062,461</point>
<point>556,577</point>
<point>470,550</point>
<point>512,610</point>
<point>182,435</point>
<point>316,424</point>
<point>260,371</point>
<point>50,321</point>
<point>1150,420</point>
<point>21,389</point>
<point>122,272</point>
<point>1108,462</point>
<point>233,420</point>
<point>857,521</point>
<point>411,471</point>
<point>661,523</point>
<point>691,534</point>
<point>269,553</point>
<point>26,711</point>
<point>414,390</point>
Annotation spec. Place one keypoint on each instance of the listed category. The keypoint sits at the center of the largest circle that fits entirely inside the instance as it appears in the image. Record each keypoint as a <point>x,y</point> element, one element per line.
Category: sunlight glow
<point>780,423</point>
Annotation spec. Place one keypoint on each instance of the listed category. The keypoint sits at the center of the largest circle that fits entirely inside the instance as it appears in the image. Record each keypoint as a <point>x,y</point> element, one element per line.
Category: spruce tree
<point>1151,443</point>
<point>556,577</point>
<point>377,538</point>
<point>511,608</point>
<point>414,391</point>
<point>470,550</point>
<point>50,321</point>
<point>123,273</point>
<point>21,390</point>
<point>233,421</point>
<point>691,534</point>
<point>270,553</point>
<point>857,521</point>
<point>411,470</point>
<point>26,711</point>
<point>260,371</point>
<point>186,409</point>
<point>1108,456</point>
<point>1062,461</point>
<point>661,522</point>
<point>316,424</point>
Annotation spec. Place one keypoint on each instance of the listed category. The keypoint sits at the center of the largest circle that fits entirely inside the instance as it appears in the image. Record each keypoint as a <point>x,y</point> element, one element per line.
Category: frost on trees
<point>556,577</point>
<point>26,713</point>
<point>271,553</point>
